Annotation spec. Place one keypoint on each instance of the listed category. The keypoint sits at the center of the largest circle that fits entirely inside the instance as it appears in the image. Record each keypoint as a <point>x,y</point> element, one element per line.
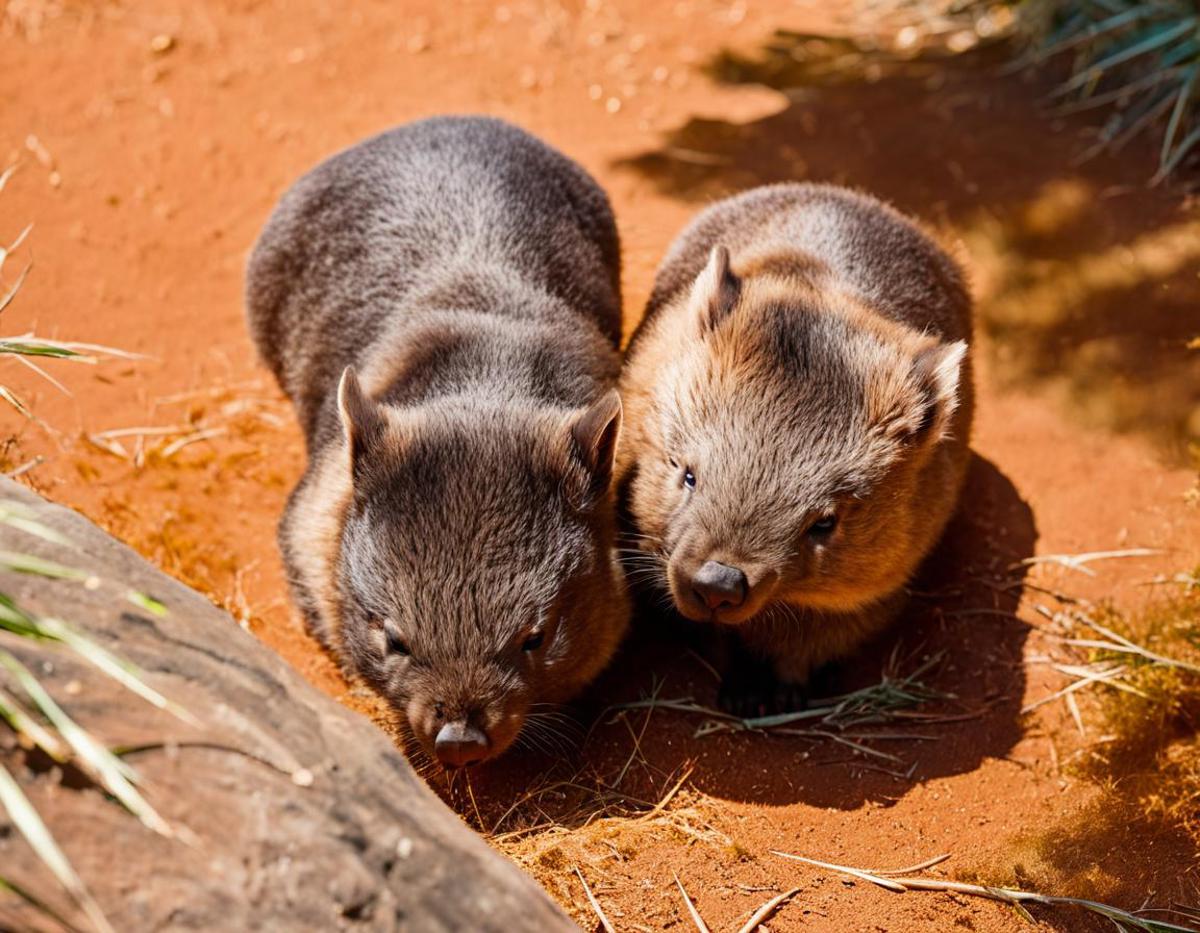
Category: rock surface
<point>293,812</point>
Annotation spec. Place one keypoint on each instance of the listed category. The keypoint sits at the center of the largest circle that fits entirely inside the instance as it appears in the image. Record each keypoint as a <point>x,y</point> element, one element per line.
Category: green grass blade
<point>1184,52</point>
<point>1070,35</point>
<point>27,820</point>
<point>147,602</point>
<point>15,619</point>
<point>112,773</point>
<point>1182,101</point>
<point>18,516</point>
<point>1158,36</point>
<point>15,715</point>
<point>1188,144</point>
<point>82,352</point>
<point>35,348</point>
<point>15,562</point>
<point>123,672</point>
<point>7,884</point>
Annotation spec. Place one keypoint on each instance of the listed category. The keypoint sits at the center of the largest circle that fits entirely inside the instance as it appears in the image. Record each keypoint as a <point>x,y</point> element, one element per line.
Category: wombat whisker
<point>643,566</point>
<point>635,552</point>
<point>557,718</point>
<point>549,728</point>
<point>528,740</point>
<point>645,570</point>
<point>551,733</point>
<point>640,556</point>
<point>542,741</point>
<point>649,570</point>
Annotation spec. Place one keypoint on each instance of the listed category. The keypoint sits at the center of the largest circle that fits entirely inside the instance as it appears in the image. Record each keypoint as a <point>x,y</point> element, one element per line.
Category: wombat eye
<point>396,644</point>
<point>823,527</point>
<point>689,478</point>
<point>533,642</point>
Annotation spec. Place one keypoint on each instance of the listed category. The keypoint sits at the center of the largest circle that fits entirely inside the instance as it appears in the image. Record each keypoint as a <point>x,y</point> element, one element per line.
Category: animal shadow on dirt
<point>960,627</point>
<point>1086,276</point>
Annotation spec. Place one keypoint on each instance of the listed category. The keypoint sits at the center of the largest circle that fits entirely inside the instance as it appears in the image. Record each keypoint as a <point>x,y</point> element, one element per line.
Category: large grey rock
<point>365,843</point>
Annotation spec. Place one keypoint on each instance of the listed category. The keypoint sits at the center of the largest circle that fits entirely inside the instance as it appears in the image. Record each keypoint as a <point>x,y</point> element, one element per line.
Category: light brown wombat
<point>797,412</point>
<point>441,303</point>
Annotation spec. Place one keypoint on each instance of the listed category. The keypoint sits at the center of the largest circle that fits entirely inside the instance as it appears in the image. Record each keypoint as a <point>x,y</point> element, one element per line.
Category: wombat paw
<point>751,692</point>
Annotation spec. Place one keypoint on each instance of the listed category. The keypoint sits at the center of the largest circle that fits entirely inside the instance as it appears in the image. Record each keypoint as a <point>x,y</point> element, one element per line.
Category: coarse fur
<point>441,303</point>
<point>798,405</point>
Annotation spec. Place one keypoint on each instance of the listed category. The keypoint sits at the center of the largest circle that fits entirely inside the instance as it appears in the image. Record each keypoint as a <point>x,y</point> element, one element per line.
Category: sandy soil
<point>153,140</point>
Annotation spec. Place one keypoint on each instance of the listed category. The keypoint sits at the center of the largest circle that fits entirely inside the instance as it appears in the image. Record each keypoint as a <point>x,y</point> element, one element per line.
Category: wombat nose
<point>459,744</point>
<point>719,586</point>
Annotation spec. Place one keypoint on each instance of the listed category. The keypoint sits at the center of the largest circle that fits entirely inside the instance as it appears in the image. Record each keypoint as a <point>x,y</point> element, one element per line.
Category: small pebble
<point>302,777</point>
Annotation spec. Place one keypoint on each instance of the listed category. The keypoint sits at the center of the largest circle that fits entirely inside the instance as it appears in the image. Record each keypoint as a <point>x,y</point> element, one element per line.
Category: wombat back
<point>451,212</point>
<point>798,404</point>
<point>441,303</point>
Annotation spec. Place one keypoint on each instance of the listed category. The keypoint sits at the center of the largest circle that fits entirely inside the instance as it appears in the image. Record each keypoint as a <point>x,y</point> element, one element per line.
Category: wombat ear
<point>594,446</point>
<point>937,370</point>
<point>362,419</point>
<point>716,291</point>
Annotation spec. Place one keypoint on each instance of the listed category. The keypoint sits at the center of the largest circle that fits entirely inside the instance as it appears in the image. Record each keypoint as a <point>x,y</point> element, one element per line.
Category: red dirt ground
<point>153,140</point>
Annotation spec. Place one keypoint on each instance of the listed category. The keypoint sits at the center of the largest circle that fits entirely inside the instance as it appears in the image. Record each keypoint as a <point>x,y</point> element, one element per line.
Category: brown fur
<point>823,373</point>
<point>441,303</point>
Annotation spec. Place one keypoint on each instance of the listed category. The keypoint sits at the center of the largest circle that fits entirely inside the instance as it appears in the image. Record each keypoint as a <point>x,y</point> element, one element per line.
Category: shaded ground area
<point>153,140</point>
<point>1088,283</point>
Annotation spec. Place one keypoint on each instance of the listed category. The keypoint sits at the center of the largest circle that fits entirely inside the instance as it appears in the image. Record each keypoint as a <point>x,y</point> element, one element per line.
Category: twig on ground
<point>1121,645</point>
<point>766,910</point>
<point>1080,561</point>
<point>691,908</point>
<point>175,446</point>
<point>1015,898</point>
<point>26,467</point>
<point>608,927</point>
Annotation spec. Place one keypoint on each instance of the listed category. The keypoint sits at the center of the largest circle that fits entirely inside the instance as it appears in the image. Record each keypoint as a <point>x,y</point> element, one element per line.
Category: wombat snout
<point>720,586</point>
<point>459,744</point>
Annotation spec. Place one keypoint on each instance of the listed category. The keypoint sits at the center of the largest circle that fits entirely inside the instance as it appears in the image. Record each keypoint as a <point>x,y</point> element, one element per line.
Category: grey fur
<point>818,369</point>
<point>470,276</point>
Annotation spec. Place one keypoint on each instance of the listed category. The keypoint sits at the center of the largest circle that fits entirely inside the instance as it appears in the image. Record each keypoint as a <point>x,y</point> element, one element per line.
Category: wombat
<point>797,413</point>
<point>442,305</point>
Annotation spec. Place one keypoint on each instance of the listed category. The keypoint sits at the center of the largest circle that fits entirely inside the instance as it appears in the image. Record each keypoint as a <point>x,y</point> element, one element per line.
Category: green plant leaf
<point>147,602</point>
<point>1183,98</point>
<point>112,773</point>
<point>17,890</point>
<point>27,820</point>
<point>16,620</point>
<point>15,562</point>
<point>123,672</point>
<point>34,348</point>
<point>15,715</point>
<point>1147,41</point>
<point>16,515</point>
